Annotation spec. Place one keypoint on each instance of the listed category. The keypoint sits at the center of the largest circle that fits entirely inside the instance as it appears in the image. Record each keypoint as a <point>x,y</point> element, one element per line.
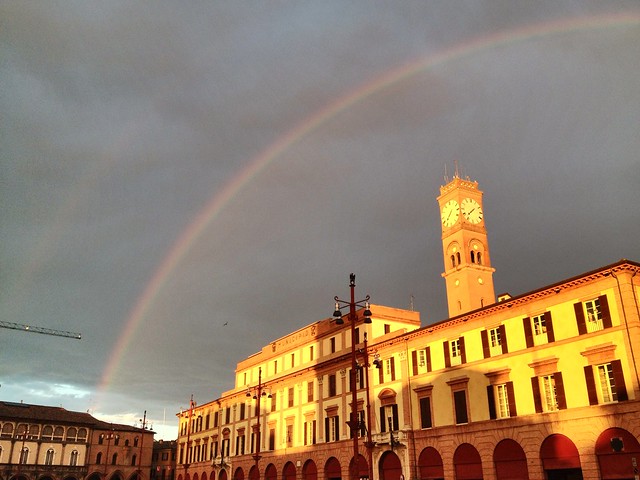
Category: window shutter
<point>606,314</point>
<point>337,428</point>
<point>425,412</point>
<point>503,339</point>
<point>326,430</point>
<point>492,402</point>
<point>381,372</point>
<point>305,434</point>
<point>549,323</point>
<point>428,355</point>
<point>528,335</point>
<point>485,343</point>
<point>513,412</point>
<point>560,396</point>
<point>393,368</point>
<point>618,377</point>
<point>463,351</point>
<point>591,385</point>
<point>582,325</point>
<point>447,358</point>
<point>537,401</point>
<point>394,413</point>
<point>414,362</point>
<point>383,421</point>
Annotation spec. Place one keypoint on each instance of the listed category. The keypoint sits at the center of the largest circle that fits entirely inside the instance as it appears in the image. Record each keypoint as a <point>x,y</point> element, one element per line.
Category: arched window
<point>114,459</point>
<point>135,442</point>
<point>116,440</point>
<point>99,458</point>
<point>72,433</point>
<point>479,258</point>
<point>34,431</point>
<point>126,442</point>
<point>48,459</point>
<point>58,433</point>
<point>133,461</point>
<point>453,261</point>
<point>73,460</point>
<point>47,432</point>
<point>82,434</point>
<point>458,258</point>
<point>24,455</point>
<point>7,430</point>
<point>473,256</point>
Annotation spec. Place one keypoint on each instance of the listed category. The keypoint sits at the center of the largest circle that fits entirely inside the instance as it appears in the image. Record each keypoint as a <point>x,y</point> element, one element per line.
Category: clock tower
<point>467,264</point>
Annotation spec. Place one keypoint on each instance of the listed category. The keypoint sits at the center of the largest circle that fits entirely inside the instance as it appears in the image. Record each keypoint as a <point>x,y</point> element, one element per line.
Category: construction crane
<point>42,330</point>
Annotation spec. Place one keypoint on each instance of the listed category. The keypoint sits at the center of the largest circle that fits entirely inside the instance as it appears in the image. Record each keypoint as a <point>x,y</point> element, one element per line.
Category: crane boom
<point>42,330</point>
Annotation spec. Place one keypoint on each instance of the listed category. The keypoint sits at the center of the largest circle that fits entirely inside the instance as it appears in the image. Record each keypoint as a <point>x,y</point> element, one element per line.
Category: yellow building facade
<point>544,385</point>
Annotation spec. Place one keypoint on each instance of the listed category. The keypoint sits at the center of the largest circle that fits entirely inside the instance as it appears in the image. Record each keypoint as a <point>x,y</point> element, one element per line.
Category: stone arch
<point>559,455</point>
<point>271,473</point>
<point>238,474</point>
<point>615,449</point>
<point>467,462</point>
<point>510,460</point>
<point>254,473</point>
<point>390,467</point>
<point>359,465</point>
<point>430,464</point>
<point>309,470</point>
<point>212,475</point>
<point>222,475</point>
<point>289,471</point>
<point>332,469</point>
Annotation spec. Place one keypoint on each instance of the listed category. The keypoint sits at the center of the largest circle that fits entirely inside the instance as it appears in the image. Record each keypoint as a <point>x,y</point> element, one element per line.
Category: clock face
<point>471,210</point>
<point>450,213</point>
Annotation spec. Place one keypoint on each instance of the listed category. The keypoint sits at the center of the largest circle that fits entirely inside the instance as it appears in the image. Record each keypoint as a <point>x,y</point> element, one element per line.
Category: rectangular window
<point>227,417</point>
<point>240,445</point>
<point>549,393</point>
<point>422,358</point>
<point>243,407</point>
<point>593,316</point>
<point>275,367</point>
<point>310,387</point>
<point>425,412</point>
<point>357,335</point>
<point>539,325</point>
<point>291,397</point>
<point>607,383</point>
<point>273,402</point>
<point>311,353</point>
<point>293,360</point>
<point>215,419</point>
<point>332,385</point>
<point>389,420</point>
<point>502,401</point>
<point>332,344</point>
<point>389,369</point>
<point>460,404</point>
<point>456,352</point>
<point>310,432</point>
<point>387,328</point>
<point>289,438</point>
<point>272,439</point>
<point>332,428</point>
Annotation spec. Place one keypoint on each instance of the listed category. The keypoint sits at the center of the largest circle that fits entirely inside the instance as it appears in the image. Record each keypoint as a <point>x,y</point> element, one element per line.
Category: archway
<point>238,474</point>
<point>222,475</point>
<point>467,462</point>
<point>390,467</point>
<point>271,473</point>
<point>360,466</point>
<point>96,476</point>
<point>560,458</point>
<point>332,469</point>
<point>309,471</point>
<point>212,475</point>
<point>430,464</point>
<point>616,448</point>
<point>510,461</point>
<point>289,471</point>
<point>254,473</point>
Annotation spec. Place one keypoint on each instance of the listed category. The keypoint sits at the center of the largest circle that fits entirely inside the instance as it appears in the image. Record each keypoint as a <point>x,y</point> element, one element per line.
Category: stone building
<point>543,385</point>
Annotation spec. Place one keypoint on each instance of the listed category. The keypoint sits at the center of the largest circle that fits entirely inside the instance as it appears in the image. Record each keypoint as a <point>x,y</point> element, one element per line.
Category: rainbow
<point>222,198</point>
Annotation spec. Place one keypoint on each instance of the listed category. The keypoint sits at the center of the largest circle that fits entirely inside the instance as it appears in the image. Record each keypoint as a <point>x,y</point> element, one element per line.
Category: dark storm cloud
<point>122,121</point>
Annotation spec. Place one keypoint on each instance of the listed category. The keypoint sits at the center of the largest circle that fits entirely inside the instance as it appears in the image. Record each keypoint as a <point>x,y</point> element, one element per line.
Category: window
<point>550,396</point>
<point>538,330</point>
<point>126,442</point>
<point>165,456</point>
<point>73,460</point>
<point>116,440</point>
<point>357,335</point>
<point>548,392</point>
<point>72,433</point>
<point>607,383</point>
<point>135,442</point>
<point>389,418</point>
<point>58,433</point>
<point>310,386</point>
<point>275,367</point>
<point>421,360</point>
<point>332,385</point>
<point>502,401</point>
<point>593,315</point>
<point>291,397</point>
<point>387,328</point>
<point>114,459</point>
<point>273,402</point>
<point>48,459</point>
<point>227,415</point>
<point>310,432</point>
<point>456,352</point>
<point>243,408</point>
<point>82,435</point>
<point>293,360</point>
<point>289,438</point>
<point>99,458</point>
<point>24,455</point>
<point>272,439</point>
<point>460,406</point>
<point>390,369</point>
<point>240,444</point>
<point>332,344</point>
<point>311,353</point>
<point>47,432</point>
<point>225,447</point>
<point>133,460</point>
<point>425,412</point>
<point>332,428</point>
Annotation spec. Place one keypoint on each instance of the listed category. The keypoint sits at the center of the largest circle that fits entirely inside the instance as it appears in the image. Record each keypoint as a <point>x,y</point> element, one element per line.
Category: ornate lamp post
<point>257,393</point>
<point>352,304</point>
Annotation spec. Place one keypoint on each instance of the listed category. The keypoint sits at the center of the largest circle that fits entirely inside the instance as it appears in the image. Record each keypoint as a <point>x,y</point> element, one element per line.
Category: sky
<point>183,183</point>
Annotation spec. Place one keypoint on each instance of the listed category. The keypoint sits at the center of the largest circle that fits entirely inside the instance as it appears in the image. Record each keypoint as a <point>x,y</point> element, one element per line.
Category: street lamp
<point>353,422</point>
<point>257,393</point>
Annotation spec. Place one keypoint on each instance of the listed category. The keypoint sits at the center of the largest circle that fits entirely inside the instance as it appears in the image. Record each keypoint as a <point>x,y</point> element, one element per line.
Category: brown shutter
<point>528,334</point>
<point>428,355</point>
<point>485,344</point>
<point>549,324</point>
<point>606,314</point>
<point>618,377</point>
<point>512,400</point>
<point>582,325</point>
<point>503,339</point>
<point>383,420</point>
<point>414,361</point>
<point>447,358</point>
<point>560,396</point>
<point>381,372</point>
<point>393,368</point>
<point>463,351</point>
<point>492,402</point>
<point>537,401</point>
<point>591,385</point>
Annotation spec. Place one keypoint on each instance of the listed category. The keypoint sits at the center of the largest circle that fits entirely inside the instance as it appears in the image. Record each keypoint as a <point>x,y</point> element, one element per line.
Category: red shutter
<point>582,325</point>
<point>492,402</point>
<point>560,396</point>
<point>618,377</point>
<point>537,401</point>
<point>485,344</point>
<point>428,355</point>
<point>414,361</point>
<point>549,324</point>
<point>528,334</point>
<point>591,385</point>
<point>447,358</point>
<point>503,339</point>
<point>606,314</point>
<point>463,352</point>
<point>512,400</point>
